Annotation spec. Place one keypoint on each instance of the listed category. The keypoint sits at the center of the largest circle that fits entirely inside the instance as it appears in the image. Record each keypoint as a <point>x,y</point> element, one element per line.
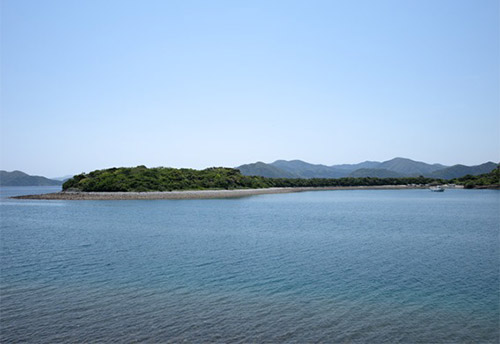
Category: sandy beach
<point>193,194</point>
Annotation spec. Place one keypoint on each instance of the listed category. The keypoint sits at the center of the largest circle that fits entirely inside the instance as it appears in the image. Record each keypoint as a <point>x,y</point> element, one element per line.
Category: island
<point>218,182</point>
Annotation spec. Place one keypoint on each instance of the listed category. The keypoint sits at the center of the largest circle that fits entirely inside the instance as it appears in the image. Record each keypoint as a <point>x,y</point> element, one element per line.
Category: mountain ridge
<point>298,169</point>
<point>396,167</point>
<point>457,171</point>
<point>306,170</point>
<point>262,169</point>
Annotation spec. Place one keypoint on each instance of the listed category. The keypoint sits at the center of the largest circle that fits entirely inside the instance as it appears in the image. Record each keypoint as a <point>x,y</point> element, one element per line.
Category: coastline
<point>195,194</point>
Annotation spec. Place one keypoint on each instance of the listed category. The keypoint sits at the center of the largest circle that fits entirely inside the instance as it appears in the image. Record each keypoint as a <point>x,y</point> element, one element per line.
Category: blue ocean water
<point>332,266</point>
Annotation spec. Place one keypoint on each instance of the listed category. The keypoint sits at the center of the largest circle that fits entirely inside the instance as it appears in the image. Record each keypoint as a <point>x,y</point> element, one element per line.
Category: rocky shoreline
<point>194,194</point>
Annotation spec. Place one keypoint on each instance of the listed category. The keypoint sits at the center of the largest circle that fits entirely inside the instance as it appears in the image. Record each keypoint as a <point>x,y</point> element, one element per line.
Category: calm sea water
<point>332,266</point>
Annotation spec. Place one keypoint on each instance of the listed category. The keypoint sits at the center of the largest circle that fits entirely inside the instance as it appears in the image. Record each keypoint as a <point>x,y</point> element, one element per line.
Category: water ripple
<point>364,266</point>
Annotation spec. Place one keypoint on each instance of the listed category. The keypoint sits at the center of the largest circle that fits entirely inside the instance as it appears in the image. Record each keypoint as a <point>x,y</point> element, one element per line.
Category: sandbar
<point>194,194</point>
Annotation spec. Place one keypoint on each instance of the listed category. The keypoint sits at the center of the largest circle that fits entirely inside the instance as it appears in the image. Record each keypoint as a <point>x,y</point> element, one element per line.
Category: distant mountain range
<point>457,171</point>
<point>18,178</point>
<point>395,168</point>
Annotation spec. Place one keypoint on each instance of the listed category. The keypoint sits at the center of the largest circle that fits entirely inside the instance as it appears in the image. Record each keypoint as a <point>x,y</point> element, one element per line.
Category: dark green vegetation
<point>166,179</point>
<point>489,180</point>
<point>18,178</point>
<point>280,173</point>
<point>141,178</point>
<point>458,171</point>
<point>394,168</point>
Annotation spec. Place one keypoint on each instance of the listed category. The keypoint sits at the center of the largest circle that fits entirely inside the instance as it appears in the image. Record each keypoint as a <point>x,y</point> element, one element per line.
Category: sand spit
<point>193,194</point>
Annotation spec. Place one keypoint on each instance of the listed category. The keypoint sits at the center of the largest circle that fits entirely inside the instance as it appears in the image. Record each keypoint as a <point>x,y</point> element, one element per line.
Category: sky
<point>93,84</point>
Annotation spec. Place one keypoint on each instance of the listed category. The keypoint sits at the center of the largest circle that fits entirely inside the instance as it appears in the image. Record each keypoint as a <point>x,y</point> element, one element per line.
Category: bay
<point>328,266</point>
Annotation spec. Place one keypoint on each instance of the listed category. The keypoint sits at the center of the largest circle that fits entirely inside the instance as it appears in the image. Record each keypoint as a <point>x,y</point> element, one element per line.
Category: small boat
<point>436,188</point>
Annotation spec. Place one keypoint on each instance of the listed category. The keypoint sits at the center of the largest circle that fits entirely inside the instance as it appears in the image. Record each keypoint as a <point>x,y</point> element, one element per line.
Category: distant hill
<point>291,169</point>
<point>394,168</point>
<point>354,167</point>
<point>375,172</point>
<point>265,170</point>
<point>306,170</point>
<point>408,167</point>
<point>18,178</point>
<point>489,180</point>
<point>457,171</point>
<point>64,178</point>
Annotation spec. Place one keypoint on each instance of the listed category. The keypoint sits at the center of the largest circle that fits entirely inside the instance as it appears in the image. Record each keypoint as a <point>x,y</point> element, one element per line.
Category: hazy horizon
<point>92,85</point>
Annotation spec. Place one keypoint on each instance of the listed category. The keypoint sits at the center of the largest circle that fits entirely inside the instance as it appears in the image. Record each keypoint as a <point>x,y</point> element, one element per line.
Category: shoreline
<point>196,194</point>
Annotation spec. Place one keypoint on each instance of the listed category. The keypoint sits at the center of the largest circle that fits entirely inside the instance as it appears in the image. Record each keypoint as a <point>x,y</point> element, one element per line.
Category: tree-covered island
<point>143,179</point>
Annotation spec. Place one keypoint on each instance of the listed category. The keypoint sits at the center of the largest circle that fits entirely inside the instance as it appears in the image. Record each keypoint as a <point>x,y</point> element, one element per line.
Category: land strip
<point>195,194</point>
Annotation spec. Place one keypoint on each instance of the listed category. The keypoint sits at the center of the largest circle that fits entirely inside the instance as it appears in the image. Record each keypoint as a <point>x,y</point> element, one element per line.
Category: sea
<point>350,266</point>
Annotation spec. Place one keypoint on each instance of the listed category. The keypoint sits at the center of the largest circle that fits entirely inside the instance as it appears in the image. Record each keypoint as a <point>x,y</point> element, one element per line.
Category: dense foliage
<point>141,178</point>
<point>491,179</point>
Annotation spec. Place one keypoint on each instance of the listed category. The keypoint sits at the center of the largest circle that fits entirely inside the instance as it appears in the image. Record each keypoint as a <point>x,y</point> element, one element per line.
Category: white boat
<point>436,188</point>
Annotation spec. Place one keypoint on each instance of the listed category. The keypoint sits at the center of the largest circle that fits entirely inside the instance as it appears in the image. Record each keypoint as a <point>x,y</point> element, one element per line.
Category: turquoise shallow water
<point>331,266</point>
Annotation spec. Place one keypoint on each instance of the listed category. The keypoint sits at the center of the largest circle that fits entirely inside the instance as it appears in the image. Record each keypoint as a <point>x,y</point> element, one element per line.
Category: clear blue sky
<point>94,84</point>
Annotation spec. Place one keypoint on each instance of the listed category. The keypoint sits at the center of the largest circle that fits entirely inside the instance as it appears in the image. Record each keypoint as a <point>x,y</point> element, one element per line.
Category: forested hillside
<point>457,171</point>
<point>394,168</point>
<point>491,180</point>
<point>166,179</point>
